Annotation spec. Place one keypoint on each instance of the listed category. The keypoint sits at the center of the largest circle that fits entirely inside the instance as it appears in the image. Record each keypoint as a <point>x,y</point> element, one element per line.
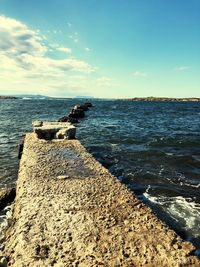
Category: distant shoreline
<point>147,99</point>
<point>166,99</point>
<point>8,97</point>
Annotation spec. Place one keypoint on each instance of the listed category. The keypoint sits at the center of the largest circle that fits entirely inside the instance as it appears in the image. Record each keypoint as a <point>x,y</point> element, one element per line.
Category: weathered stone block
<point>67,119</point>
<point>55,130</point>
<point>66,133</point>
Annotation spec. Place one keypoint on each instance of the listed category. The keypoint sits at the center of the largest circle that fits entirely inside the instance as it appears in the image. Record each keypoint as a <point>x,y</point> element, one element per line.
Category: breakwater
<point>70,211</point>
<point>127,153</point>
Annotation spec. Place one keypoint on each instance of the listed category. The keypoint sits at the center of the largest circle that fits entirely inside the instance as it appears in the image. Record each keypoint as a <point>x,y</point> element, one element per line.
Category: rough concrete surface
<point>70,211</point>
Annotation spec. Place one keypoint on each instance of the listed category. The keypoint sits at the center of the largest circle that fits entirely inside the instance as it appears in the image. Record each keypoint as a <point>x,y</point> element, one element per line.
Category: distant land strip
<point>7,97</point>
<point>150,98</point>
<point>166,99</point>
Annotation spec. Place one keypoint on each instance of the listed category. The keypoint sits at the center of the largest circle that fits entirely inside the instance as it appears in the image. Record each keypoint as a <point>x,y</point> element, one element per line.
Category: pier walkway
<point>70,211</point>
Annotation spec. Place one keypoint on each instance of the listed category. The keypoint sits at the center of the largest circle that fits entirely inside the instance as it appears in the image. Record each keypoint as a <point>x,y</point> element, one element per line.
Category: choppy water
<point>152,147</point>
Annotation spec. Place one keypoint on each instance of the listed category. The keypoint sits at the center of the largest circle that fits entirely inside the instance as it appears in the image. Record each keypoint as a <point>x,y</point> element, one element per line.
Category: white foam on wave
<point>4,218</point>
<point>193,185</point>
<point>186,209</point>
<point>183,210</point>
<point>4,223</point>
<point>169,154</point>
<point>183,181</point>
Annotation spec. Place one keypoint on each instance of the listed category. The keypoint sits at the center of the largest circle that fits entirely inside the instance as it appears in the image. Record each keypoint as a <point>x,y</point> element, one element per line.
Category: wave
<point>175,141</point>
<point>181,209</point>
<point>137,142</point>
<point>5,218</point>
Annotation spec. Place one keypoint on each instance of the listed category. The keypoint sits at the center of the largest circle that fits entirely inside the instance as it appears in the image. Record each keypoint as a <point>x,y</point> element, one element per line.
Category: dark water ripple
<point>152,147</point>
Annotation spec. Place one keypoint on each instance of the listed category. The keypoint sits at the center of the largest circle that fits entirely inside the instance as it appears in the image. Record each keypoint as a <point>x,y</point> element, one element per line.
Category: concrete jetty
<point>70,211</point>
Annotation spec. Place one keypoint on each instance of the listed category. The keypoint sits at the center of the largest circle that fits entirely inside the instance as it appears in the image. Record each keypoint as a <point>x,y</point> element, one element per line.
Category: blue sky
<point>112,48</point>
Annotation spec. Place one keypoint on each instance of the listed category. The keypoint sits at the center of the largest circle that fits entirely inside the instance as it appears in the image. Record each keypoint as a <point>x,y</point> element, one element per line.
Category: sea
<point>151,147</point>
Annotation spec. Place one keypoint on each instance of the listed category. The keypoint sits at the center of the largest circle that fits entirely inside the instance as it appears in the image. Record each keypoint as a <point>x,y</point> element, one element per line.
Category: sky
<point>107,48</point>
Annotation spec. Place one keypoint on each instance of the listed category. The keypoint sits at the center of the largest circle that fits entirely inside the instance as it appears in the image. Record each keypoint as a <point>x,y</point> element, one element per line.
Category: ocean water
<point>152,147</point>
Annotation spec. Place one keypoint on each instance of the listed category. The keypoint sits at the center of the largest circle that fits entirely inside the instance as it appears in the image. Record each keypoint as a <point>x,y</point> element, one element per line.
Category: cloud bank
<point>24,58</point>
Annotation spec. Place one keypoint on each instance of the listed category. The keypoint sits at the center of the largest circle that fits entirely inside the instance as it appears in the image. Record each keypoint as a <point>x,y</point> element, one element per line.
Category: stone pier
<point>70,211</point>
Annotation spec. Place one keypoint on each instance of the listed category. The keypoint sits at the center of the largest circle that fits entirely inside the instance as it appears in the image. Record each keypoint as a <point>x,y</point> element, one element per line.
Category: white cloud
<point>58,66</point>
<point>53,47</point>
<point>139,74</point>
<point>17,40</point>
<point>64,49</point>
<point>24,61</point>
<point>69,24</point>
<point>87,49</point>
<point>182,68</point>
